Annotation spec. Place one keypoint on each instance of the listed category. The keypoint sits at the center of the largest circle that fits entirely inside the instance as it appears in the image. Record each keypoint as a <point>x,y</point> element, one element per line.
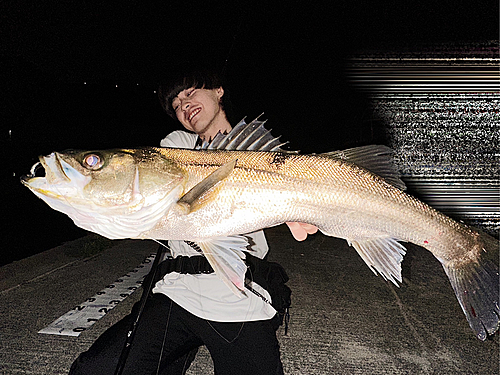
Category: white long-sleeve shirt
<point>205,295</point>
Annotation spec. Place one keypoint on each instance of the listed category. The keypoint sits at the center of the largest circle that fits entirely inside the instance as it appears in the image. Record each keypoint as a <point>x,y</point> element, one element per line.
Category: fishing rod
<point>150,280</point>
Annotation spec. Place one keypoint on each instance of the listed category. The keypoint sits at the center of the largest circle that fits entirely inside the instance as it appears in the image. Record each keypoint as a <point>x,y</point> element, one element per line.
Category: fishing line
<point>70,204</point>
<point>197,248</point>
<point>223,71</point>
<point>160,243</point>
<point>39,165</point>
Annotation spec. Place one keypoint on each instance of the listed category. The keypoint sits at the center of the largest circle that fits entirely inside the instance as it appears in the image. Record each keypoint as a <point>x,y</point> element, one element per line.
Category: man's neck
<point>220,124</point>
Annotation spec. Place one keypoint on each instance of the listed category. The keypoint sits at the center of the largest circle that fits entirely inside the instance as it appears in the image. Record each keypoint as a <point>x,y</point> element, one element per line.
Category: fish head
<point>117,193</point>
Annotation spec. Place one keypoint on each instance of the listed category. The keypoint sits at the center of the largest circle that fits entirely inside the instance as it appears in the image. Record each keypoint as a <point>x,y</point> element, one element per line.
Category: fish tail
<point>476,285</point>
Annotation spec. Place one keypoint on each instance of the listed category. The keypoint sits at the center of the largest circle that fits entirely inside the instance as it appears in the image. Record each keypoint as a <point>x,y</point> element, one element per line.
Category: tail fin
<point>476,286</point>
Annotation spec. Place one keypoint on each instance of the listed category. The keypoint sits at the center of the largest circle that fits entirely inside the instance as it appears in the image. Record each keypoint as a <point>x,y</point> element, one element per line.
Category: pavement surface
<point>344,319</point>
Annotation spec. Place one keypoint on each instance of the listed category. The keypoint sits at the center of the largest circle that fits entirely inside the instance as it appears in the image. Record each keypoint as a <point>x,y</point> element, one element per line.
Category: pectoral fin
<point>198,193</point>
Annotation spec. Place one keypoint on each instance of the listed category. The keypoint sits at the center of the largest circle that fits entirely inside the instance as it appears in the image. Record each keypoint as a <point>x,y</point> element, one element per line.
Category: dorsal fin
<point>376,158</point>
<point>245,137</point>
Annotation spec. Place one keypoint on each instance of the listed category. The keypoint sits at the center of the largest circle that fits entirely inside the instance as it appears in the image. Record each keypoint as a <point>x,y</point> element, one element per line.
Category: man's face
<point>198,109</point>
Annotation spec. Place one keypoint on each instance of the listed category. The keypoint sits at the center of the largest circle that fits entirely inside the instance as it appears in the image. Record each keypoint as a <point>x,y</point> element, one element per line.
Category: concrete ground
<point>344,319</point>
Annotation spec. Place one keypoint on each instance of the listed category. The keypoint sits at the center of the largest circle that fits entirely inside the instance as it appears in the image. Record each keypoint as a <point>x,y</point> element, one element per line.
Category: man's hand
<point>301,230</point>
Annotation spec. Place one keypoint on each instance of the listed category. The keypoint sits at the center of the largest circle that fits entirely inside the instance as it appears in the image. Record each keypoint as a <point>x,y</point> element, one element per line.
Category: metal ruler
<point>94,308</point>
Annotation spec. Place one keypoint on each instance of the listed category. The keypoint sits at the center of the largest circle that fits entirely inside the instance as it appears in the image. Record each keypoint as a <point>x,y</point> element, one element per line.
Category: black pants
<point>168,336</point>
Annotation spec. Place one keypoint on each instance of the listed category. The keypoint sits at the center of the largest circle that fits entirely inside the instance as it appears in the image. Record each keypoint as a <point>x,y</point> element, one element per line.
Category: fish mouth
<point>50,165</point>
<point>33,171</point>
<point>58,178</point>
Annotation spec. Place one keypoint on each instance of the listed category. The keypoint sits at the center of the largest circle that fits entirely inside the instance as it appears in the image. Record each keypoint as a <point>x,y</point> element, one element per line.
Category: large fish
<point>243,182</point>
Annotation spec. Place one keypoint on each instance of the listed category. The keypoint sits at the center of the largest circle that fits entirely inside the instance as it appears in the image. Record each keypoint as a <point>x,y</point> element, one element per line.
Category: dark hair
<point>197,79</point>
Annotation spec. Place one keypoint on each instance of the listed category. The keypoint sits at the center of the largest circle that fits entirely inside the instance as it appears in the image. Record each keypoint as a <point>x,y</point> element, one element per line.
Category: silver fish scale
<point>341,199</point>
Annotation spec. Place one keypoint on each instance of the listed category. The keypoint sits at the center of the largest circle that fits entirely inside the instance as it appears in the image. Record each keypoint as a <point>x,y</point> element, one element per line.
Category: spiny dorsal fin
<point>197,194</point>
<point>245,137</point>
<point>376,158</point>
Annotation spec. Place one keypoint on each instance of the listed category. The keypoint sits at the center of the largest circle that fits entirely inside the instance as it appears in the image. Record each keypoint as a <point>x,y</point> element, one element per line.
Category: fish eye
<point>92,161</point>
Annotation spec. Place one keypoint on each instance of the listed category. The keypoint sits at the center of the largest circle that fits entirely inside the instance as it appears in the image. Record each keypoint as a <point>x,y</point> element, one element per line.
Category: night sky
<point>83,76</point>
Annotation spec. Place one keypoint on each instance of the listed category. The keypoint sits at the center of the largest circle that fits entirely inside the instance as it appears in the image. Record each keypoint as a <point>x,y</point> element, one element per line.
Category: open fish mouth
<point>35,168</point>
<point>35,176</point>
<point>52,176</point>
<point>37,171</point>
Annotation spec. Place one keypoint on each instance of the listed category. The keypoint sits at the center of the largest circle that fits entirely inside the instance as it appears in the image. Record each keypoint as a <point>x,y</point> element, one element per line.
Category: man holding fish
<point>240,183</point>
<point>190,306</point>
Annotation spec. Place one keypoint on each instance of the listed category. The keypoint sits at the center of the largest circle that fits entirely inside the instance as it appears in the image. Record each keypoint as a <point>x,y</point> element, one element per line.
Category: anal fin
<point>383,255</point>
<point>225,255</point>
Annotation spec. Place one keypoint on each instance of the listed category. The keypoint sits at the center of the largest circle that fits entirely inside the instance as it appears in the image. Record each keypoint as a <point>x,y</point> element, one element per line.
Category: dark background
<point>83,76</point>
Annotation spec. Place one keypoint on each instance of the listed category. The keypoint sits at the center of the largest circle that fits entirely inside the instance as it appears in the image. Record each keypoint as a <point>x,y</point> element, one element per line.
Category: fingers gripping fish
<point>243,182</point>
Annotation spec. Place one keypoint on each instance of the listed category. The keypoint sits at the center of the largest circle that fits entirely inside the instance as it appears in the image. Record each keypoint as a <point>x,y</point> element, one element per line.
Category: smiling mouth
<point>194,113</point>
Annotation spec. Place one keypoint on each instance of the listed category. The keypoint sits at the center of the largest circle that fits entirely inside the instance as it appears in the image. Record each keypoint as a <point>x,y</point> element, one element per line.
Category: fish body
<point>199,195</point>
<point>342,199</point>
